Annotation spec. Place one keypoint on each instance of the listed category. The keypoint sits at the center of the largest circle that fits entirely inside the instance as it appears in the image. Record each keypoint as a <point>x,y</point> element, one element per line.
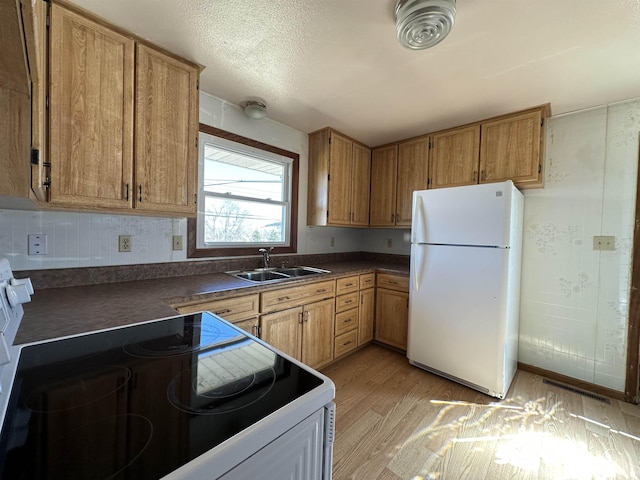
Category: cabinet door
<point>91,113</point>
<point>454,157</point>
<point>317,333</point>
<point>384,163</point>
<point>166,133</point>
<point>413,164</point>
<point>365,316</point>
<point>250,325</point>
<point>510,149</point>
<point>283,331</point>
<point>360,185</point>
<point>340,180</point>
<point>392,314</point>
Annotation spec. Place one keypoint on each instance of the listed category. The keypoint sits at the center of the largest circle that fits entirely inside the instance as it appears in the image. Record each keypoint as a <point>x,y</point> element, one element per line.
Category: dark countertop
<point>57,312</point>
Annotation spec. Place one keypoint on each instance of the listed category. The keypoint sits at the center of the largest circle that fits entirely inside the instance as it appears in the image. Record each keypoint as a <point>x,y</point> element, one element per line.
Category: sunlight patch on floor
<point>518,436</point>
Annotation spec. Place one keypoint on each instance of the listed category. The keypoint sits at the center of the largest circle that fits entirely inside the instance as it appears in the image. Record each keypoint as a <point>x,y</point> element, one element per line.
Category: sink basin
<point>301,271</point>
<point>262,275</point>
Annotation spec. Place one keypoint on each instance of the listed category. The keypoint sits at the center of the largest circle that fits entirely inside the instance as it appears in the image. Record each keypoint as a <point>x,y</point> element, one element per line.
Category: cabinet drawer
<point>393,282</point>
<point>367,280</point>
<point>231,309</point>
<point>346,321</point>
<point>345,343</point>
<point>284,298</point>
<point>347,285</point>
<point>345,302</point>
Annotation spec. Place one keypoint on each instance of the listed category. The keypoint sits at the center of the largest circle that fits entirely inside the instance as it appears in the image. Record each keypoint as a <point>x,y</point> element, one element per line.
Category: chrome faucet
<point>265,256</point>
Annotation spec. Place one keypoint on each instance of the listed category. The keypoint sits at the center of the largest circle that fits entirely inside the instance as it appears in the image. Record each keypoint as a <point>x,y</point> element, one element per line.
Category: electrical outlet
<point>124,243</point>
<point>604,243</point>
<point>37,244</point>
<point>177,242</point>
<point>389,242</point>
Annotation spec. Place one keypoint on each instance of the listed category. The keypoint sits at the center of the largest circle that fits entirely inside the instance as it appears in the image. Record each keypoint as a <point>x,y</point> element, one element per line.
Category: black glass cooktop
<point>141,401</point>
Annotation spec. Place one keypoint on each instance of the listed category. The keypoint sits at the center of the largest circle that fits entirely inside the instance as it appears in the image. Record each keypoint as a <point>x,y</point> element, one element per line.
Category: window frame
<point>235,251</point>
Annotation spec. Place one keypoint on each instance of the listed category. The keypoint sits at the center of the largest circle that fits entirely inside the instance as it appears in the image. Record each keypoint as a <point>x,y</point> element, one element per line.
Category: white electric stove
<point>186,397</point>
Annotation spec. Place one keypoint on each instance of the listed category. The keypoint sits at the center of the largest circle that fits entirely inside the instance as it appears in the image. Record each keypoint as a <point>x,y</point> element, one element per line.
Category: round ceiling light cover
<point>424,23</point>
<point>255,109</point>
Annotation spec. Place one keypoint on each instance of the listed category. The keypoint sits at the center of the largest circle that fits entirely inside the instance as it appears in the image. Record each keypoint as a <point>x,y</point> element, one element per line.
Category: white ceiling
<point>337,63</point>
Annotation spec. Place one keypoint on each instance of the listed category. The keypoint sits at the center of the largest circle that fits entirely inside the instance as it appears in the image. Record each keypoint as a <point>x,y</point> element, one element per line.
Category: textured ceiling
<point>337,63</point>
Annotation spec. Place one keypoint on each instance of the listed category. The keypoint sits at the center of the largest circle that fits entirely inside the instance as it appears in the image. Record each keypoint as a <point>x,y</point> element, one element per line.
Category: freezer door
<point>469,215</point>
<point>458,313</point>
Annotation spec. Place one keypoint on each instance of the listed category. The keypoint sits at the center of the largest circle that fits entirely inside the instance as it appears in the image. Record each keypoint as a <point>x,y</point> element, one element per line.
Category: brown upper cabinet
<point>454,157</point>
<point>396,172</point>
<point>122,121</point>
<point>91,113</point>
<point>339,180</point>
<point>511,148</point>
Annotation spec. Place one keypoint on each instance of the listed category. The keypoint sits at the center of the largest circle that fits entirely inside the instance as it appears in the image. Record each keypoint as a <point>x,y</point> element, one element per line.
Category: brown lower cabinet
<point>305,333</point>
<point>392,310</point>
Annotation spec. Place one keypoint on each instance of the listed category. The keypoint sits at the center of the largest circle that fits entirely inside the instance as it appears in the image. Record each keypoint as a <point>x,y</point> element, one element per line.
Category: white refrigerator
<point>464,296</point>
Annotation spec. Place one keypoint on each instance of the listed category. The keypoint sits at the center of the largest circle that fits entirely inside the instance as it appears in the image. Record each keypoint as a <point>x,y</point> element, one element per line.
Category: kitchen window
<point>247,197</point>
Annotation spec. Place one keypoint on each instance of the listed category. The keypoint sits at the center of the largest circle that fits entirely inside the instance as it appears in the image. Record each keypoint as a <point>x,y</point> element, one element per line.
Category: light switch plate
<point>604,242</point>
<point>177,242</point>
<point>37,244</point>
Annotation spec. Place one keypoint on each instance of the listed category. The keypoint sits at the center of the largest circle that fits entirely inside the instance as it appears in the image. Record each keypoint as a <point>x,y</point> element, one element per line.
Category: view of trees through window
<point>246,197</point>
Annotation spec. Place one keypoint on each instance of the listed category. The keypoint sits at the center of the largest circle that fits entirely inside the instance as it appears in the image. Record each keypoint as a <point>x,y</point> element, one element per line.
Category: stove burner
<point>225,379</point>
<point>190,337</point>
<point>81,452</point>
<point>87,389</point>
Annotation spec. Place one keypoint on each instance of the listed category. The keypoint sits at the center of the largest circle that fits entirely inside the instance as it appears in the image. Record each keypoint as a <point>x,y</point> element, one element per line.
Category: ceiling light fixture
<point>424,23</point>
<point>255,109</point>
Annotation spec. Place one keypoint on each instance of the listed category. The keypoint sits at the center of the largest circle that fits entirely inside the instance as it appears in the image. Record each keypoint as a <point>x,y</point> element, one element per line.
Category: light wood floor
<point>395,421</point>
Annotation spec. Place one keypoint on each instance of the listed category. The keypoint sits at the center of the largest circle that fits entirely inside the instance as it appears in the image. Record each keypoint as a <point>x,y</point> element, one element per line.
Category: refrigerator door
<point>458,314</point>
<point>469,215</point>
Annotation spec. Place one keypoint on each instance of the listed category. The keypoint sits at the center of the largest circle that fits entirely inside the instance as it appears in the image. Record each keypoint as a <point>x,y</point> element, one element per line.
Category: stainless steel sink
<point>263,275</point>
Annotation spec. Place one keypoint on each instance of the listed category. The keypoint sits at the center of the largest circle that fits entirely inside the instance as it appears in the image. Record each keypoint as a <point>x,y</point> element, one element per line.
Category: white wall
<point>88,239</point>
<point>574,309</point>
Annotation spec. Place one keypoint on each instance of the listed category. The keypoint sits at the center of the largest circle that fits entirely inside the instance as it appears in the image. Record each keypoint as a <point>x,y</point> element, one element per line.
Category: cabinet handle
<point>254,329</point>
<point>475,175</point>
<point>348,320</point>
<point>392,217</point>
<point>397,217</point>
<point>321,290</point>
<point>393,282</point>
<point>283,298</point>
<point>482,176</point>
<point>126,192</point>
<point>222,312</point>
<point>140,193</point>
<point>361,299</point>
<point>307,319</point>
<point>347,302</point>
<point>301,317</point>
<point>346,343</point>
<point>348,285</point>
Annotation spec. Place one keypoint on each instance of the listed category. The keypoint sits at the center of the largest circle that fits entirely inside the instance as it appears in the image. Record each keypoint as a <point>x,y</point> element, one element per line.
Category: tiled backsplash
<point>574,301</point>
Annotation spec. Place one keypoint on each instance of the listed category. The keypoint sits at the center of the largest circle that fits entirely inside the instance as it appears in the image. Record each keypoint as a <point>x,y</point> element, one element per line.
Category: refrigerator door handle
<point>416,268</point>
<point>417,219</point>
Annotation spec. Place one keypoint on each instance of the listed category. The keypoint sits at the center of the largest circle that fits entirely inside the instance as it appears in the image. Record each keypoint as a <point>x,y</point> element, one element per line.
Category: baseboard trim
<point>590,387</point>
